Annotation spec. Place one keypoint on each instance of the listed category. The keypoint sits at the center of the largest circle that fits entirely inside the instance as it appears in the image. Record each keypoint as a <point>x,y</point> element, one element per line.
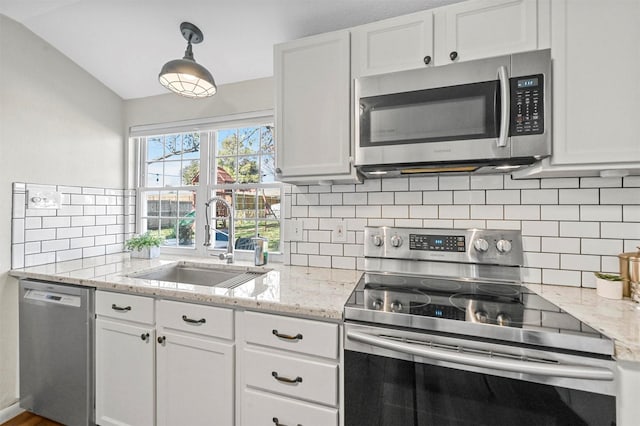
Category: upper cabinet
<point>485,28</point>
<point>313,129</point>
<point>396,44</point>
<point>596,89</point>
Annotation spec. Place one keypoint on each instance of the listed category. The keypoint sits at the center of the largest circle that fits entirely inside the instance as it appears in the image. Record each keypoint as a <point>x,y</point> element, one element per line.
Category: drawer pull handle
<point>162,339</point>
<point>120,308</point>
<point>286,336</point>
<point>192,321</point>
<point>285,379</point>
<point>277,422</point>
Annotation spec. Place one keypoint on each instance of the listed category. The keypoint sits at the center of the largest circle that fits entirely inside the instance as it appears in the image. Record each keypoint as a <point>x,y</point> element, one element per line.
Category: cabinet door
<point>195,381</point>
<point>596,71</point>
<point>396,44</point>
<point>259,408</point>
<point>485,28</point>
<point>312,106</point>
<point>124,374</point>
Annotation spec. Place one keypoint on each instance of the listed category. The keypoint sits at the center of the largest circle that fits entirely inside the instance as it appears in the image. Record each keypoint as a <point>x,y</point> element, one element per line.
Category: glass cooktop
<point>505,312</point>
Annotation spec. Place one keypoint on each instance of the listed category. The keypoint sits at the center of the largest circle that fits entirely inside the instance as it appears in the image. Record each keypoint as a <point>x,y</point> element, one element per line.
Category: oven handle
<point>505,105</point>
<point>525,367</point>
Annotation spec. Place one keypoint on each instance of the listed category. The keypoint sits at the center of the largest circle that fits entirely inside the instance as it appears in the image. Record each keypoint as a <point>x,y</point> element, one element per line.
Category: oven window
<point>463,112</point>
<point>381,391</point>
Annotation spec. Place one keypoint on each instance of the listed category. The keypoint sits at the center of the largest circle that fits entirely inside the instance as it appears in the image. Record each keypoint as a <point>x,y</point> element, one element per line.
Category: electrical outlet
<point>295,230</point>
<point>340,232</point>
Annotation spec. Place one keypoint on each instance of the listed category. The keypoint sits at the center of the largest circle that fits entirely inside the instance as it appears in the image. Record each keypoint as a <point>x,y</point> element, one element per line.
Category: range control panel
<point>490,246</point>
<point>527,105</point>
<point>436,242</point>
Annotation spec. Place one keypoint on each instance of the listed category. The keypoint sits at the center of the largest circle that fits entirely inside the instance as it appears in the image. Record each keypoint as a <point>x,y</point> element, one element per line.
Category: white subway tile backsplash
<point>69,232</point>
<point>32,247</point>
<point>620,196</point>
<point>368,211</point>
<point>17,255</point>
<point>54,245</point>
<point>578,196</point>
<point>504,196</point>
<point>468,197</point>
<point>601,213</point>
<point>95,191</point>
<point>560,277</point>
<point>602,246</point>
<point>83,199</point>
<point>32,222</point>
<point>343,211</point>
<point>307,199</point>
<point>396,212</point>
<point>343,188</point>
<point>560,212</point>
<point>504,224</point>
<point>437,223</point>
<point>437,197</point>
<point>631,182</point>
<point>424,183</point>
<point>454,212</point>
<point>581,262</point>
<point>17,230</point>
<point>71,210</point>
<point>320,236</point>
<point>102,240</point>
<point>454,182</point>
<point>354,198</point>
<point>370,185</point>
<point>510,183</point>
<point>409,198</point>
<point>343,262</point>
<point>94,251</point>
<point>95,210</point>
<point>580,229</point>
<point>39,234</point>
<point>320,261</point>
<point>381,198</point>
<point>487,212</point>
<point>107,220</point>
<point>423,212</point>
<point>331,199</point>
<point>409,223</point>
<point>56,222</point>
<point>542,260</point>
<point>522,212</point>
<point>39,259</point>
<point>610,264</point>
<point>629,230</point>
<point>327,249</point>
<point>487,182</point>
<point>539,196</point>
<point>531,243</point>
<point>540,228</point>
<point>630,213</point>
<point>381,222</point>
<point>598,182</point>
<point>560,245</point>
<point>469,224</point>
<point>398,184</point>
<point>560,183</point>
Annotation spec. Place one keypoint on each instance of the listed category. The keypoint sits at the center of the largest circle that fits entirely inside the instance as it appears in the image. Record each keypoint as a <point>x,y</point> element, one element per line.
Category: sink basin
<point>210,276</point>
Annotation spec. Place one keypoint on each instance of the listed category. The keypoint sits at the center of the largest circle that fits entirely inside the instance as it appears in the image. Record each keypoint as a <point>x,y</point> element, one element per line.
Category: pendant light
<point>185,76</point>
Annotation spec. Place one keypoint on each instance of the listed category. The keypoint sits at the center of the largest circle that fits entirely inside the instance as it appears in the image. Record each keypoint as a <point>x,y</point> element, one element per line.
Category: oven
<point>469,116</point>
<point>435,341</point>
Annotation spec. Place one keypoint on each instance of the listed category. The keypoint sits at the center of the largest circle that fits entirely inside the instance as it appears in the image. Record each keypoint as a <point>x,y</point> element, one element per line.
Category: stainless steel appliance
<point>439,330</point>
<point>56,351</point>
<point>477,116</point>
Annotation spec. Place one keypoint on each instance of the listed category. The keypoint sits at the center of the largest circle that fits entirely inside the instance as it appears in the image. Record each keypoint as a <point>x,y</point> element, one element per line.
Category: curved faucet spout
<point>207,238</point>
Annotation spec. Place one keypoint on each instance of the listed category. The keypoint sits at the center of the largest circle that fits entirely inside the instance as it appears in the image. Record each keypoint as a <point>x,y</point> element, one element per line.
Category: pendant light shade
<point>185,76</point>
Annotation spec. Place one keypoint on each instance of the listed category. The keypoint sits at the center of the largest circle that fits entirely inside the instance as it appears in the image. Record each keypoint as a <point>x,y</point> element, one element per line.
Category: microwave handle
<point>505,104</point>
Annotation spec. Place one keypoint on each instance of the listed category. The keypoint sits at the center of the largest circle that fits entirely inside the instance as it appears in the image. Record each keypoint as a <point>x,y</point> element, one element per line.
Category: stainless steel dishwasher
<point>56,351</point>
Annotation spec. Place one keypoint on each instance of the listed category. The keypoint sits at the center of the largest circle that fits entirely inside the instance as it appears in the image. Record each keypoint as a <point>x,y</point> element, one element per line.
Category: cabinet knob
<point>278,170</point>
<point>144,336</point>
<point>453,55</point>
<point>427,60</point>
<point>161,339</point>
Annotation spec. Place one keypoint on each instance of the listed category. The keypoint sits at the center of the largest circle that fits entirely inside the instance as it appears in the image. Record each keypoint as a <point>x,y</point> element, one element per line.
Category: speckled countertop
<point>310,292</point>
<point>314,292</point>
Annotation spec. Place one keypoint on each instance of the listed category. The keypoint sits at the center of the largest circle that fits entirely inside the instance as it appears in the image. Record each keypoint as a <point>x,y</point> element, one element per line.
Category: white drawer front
<point>293,334</point>
<point>311,380</point>
<point>125,306</point>
<point>200,319</point>
<point>261,409</point>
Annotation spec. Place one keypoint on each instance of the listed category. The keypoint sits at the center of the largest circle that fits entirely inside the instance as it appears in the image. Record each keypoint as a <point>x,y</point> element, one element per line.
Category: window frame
<point>206,186</point>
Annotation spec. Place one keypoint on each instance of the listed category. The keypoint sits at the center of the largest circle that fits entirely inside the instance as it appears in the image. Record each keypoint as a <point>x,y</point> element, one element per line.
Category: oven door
<point>452,113</point>
<point>395,377</point>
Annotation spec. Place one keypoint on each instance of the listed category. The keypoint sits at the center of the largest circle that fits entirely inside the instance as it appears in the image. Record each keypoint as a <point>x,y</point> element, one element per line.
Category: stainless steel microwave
<point>479,116</point>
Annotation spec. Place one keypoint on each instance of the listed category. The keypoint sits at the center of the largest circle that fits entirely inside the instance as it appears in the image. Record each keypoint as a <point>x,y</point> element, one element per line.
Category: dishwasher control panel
<point>52,297</point>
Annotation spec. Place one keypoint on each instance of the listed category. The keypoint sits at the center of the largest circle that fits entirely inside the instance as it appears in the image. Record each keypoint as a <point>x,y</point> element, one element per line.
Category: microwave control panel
<point>527,105</point>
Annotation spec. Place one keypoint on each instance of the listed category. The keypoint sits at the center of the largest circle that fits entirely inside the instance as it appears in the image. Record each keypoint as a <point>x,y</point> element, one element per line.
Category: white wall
<point>58,125</point>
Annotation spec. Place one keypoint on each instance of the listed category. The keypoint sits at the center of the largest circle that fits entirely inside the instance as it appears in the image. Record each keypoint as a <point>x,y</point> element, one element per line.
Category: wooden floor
<point>30,419</point>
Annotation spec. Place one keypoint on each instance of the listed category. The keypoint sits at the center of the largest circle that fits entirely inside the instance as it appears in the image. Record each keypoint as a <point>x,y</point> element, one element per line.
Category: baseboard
<point>10,412</point>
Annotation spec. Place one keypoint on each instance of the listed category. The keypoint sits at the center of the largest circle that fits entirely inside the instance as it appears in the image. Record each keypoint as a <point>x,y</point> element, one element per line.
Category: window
<point>180,171</point>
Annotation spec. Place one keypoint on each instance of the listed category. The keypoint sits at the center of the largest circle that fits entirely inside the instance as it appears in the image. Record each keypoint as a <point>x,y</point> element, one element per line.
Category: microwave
<point>483,116</point>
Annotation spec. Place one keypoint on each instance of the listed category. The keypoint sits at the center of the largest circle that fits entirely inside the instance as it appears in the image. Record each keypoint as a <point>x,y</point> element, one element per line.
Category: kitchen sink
<point>210,276</point>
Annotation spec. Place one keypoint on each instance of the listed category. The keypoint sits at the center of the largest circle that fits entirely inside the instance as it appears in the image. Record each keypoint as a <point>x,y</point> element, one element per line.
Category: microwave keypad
<point>527,115</point>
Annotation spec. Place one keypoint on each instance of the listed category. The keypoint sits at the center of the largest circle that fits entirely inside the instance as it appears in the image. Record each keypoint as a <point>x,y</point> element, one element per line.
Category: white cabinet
<point>192,381</point>
<point>485,28</point>
<point>125,371</point>
<point>313,131</point>
<point>396,44</point>
<point>596,88</point>
<point>289,369</point>
<point>195,371</point>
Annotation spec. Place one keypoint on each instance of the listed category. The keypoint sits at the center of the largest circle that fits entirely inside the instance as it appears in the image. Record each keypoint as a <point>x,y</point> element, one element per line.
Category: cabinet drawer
<point>261,409</point>
<point>292,334</point>
<point>311,380</point>
<point>124,306</point>
<point>199,319</point>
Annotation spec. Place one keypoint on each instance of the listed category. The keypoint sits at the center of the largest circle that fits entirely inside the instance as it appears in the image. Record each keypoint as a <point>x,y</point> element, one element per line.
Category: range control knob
<point>396,241</point>
<point>377,240</point>
<point>481,316</point>
<point>396,306</point>
<point>503,246</point>
<point>377,304</point>
<point>481,245</point>
<point>503,319</point>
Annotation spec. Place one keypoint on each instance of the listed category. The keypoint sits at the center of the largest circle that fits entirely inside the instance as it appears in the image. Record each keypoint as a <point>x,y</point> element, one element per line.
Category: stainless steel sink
<point>210,276</point>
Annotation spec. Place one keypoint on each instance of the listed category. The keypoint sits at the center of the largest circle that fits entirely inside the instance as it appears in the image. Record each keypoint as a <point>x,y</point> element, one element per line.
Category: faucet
<point>228,256</point>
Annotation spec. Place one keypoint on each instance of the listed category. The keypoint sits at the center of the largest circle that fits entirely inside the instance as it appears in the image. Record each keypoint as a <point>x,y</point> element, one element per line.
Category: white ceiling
<point>124,43</point>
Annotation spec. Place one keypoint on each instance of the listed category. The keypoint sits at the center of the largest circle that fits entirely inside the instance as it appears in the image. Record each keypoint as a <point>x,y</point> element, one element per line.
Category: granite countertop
<point>318,293</point>
<point>616,319</point>
<point>302,291</point>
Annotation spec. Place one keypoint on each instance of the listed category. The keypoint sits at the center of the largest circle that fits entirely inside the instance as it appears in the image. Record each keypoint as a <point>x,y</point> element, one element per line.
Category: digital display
<point>528,82</point>
<point>437,242</point>
<point>436,311</point>
<point>50,297</point>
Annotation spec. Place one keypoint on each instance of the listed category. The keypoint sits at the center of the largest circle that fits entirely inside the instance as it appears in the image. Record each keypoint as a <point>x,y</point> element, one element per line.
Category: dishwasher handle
<point>517,366</point>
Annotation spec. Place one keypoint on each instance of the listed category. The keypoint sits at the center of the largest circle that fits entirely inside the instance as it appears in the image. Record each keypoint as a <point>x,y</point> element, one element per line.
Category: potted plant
<point>608,285</point>
<point>145,246</point>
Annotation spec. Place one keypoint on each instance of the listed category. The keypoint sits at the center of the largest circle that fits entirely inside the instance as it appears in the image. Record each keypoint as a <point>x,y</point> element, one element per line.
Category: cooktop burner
<point>475,293</point>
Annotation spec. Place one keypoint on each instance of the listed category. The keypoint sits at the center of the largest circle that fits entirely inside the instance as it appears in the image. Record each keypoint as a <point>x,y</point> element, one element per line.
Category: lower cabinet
<point>178,369</point>
<point>290,371</point>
